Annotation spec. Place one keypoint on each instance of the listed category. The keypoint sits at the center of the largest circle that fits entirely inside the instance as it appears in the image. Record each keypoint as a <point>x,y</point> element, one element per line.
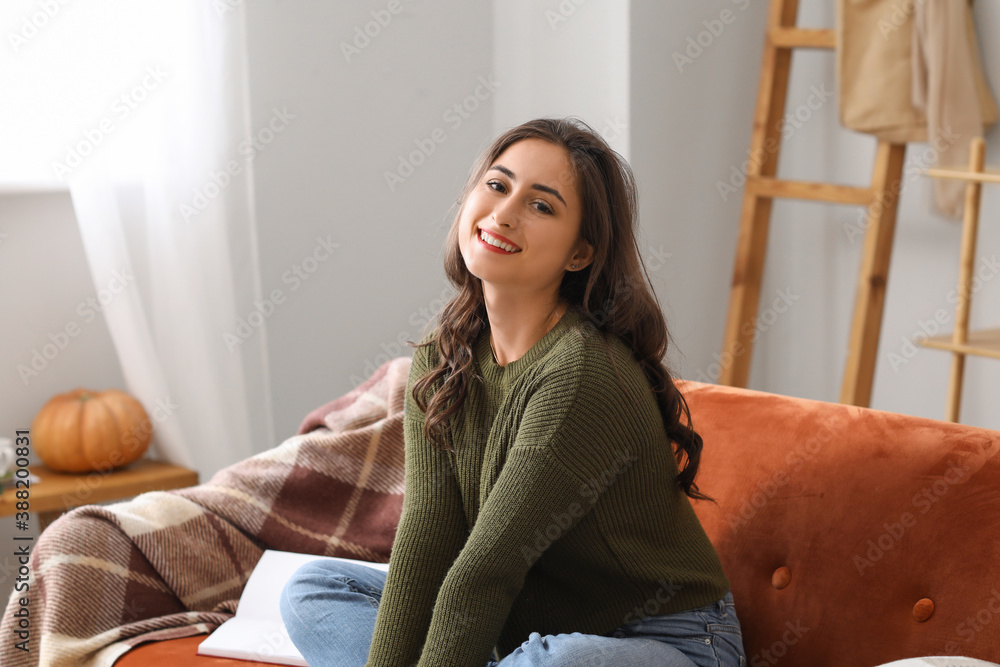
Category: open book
<point>257,632</point>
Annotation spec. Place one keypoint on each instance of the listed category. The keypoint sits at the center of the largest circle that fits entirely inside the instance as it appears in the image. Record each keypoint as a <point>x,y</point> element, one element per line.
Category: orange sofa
<point>852,537</point>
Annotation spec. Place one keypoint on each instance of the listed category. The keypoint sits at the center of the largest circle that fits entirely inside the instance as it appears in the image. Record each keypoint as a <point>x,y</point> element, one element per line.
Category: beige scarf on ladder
<point>909,70</point>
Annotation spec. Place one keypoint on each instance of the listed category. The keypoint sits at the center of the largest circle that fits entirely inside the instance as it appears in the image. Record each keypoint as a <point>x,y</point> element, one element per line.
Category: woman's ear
<point>583,256</point>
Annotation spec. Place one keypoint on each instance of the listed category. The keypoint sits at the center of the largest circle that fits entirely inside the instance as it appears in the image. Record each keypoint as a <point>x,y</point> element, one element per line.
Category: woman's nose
<point>505,214</point>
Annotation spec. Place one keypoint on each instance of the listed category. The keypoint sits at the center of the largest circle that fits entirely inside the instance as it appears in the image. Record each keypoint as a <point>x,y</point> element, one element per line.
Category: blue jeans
<point>329,609</point>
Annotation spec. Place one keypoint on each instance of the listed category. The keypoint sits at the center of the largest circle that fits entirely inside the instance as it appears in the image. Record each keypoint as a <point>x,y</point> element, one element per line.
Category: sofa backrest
<point>851,536</point>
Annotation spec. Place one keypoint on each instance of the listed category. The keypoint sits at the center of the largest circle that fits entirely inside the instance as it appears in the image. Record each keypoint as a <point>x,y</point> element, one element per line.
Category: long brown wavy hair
<point>613,292</point>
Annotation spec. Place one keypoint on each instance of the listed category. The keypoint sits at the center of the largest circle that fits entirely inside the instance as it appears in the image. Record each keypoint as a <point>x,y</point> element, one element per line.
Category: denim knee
<point>321,579</point>
<point>546,649</point>
<point>305,579</point>
<point>297,588</point>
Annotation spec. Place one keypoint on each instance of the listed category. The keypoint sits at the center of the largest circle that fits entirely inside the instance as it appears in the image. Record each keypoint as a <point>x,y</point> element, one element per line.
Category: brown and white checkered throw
<point>173,564</point>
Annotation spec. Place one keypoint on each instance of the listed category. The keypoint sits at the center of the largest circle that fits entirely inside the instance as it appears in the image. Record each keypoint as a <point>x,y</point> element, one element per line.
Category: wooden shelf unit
<point>961,342</point>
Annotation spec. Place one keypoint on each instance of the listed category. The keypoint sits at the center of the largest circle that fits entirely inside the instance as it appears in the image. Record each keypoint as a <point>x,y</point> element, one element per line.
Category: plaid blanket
<point>173,564</point>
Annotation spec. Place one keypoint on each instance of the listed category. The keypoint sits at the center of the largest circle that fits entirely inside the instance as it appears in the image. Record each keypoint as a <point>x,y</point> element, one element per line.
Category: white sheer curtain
<point>165,205</point>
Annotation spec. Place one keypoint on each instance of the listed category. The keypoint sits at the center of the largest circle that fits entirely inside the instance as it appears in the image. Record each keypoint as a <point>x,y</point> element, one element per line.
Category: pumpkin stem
<point>85,397</point>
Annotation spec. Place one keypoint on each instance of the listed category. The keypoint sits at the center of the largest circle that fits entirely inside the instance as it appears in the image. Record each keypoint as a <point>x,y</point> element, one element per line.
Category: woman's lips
<point>496,249</point>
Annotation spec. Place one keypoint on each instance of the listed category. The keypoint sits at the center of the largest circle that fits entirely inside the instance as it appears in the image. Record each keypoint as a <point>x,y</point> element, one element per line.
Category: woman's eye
<point>501,187</point>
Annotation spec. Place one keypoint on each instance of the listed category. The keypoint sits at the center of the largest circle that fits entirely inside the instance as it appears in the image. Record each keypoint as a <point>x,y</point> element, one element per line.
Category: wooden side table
<point>57,492</point>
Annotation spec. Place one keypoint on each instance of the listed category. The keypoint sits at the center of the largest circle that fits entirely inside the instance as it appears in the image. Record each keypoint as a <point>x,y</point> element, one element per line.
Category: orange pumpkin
<point>83,431</point>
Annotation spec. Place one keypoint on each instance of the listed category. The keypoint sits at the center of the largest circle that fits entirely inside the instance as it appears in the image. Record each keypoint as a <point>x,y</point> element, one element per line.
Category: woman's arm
<point>431,532</point>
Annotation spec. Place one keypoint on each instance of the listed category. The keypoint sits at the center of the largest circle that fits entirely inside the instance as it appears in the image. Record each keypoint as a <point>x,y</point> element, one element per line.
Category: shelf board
<point>985,343</point>
<point>980,176</point>
<point>59,492</point>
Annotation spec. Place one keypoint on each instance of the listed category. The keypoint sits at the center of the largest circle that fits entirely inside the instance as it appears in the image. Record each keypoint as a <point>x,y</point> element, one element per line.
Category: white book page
<point>257,632</point>
<point>252,639</point>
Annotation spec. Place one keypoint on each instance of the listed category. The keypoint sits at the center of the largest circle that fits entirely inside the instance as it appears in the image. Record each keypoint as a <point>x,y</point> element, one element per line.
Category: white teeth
<point>493,241</point>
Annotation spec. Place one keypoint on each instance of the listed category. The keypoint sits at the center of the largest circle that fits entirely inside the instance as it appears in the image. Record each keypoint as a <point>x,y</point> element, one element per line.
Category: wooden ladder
<point>762,187</point>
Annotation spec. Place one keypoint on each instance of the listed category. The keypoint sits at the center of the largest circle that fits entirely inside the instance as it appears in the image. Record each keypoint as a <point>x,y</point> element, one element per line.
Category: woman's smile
<point>496,243</point>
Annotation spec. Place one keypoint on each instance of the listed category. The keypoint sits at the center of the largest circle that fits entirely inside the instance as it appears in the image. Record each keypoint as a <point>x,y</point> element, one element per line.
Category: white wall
<point>564,58</point>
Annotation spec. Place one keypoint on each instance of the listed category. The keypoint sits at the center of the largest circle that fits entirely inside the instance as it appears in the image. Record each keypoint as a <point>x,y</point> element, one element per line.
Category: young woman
<point>549,457</point>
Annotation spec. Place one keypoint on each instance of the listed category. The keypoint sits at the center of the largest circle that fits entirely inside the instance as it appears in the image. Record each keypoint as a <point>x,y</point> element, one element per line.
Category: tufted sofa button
<point>781,577</point>
<point>923,609</point>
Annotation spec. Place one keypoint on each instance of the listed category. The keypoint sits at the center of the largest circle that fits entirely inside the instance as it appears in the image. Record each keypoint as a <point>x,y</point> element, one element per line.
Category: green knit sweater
<point>558,512</point>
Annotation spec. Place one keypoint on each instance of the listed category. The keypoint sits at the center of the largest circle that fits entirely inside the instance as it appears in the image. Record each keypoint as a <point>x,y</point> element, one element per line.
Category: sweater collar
<point>494,372</point>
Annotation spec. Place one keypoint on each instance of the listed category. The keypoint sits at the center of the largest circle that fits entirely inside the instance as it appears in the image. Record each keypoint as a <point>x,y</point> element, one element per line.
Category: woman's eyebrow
<point>535,186</point>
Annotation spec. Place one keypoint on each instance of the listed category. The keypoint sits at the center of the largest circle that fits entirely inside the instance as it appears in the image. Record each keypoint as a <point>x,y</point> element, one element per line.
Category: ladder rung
<point>765,186</point>
<point>805,38</point>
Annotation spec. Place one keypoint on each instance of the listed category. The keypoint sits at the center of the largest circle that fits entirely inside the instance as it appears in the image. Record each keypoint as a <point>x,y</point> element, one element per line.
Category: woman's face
<point>527,201</point>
